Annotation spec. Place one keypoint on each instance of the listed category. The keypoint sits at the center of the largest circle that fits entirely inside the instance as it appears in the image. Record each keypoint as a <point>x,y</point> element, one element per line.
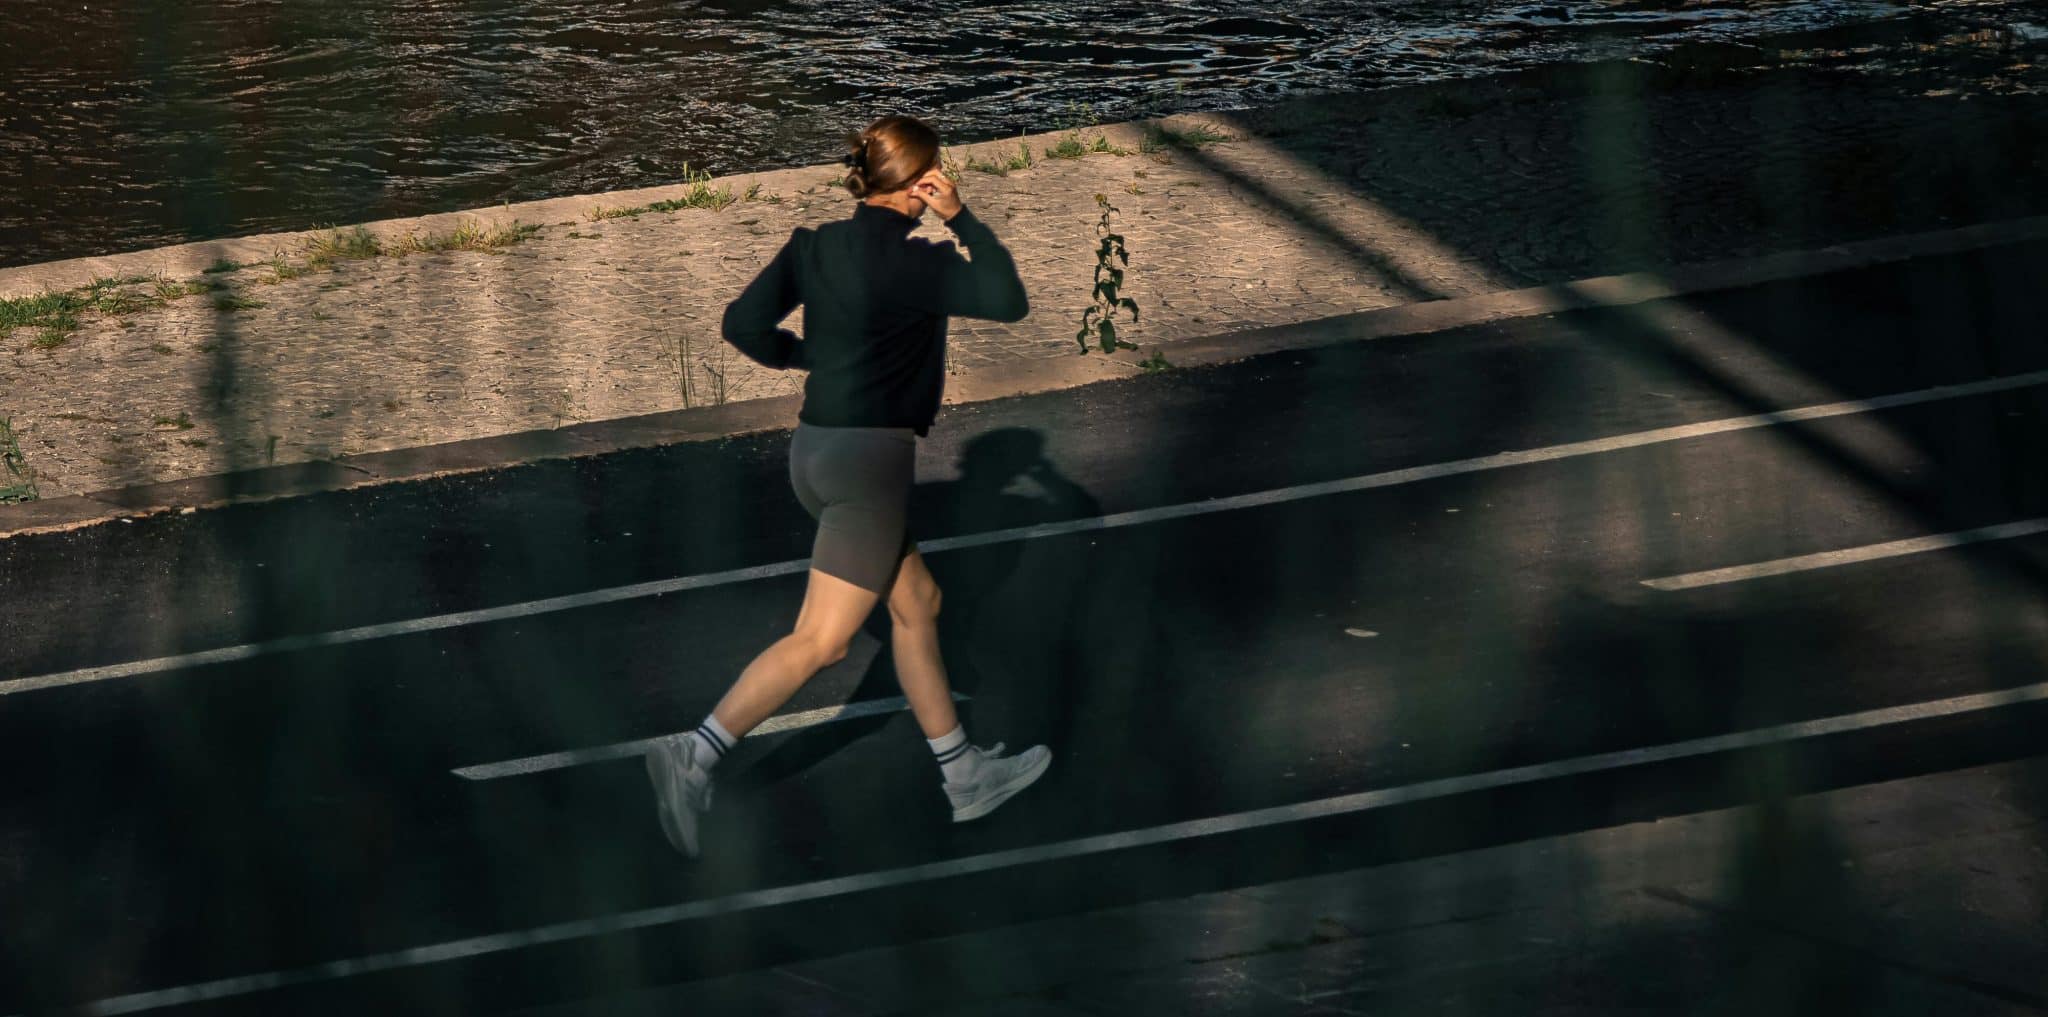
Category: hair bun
<point>889,155</point>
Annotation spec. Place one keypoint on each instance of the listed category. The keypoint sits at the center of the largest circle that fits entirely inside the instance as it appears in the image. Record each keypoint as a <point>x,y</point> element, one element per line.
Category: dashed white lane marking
<point>1849,555</point>
<point>1141,517</point>
<point>624,750</point>
<point>670,914</point>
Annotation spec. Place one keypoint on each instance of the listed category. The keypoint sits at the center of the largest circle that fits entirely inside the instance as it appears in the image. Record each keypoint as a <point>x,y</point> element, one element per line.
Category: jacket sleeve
<point>987,287</point>
<point>753,320</point>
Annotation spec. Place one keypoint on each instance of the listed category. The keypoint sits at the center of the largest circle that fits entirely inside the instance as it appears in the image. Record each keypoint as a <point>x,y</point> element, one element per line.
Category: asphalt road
<point>1240,600</point>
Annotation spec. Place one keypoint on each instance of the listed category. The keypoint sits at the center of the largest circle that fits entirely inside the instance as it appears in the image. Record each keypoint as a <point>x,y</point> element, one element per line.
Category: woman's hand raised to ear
<point>938,191</point>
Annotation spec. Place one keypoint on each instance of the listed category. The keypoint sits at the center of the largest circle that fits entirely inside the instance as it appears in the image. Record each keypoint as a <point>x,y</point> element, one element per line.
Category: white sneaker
<point>998,778</point>
<point>682,789</point>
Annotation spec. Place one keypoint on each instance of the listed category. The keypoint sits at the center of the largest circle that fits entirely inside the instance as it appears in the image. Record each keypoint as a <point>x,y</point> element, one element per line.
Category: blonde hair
<point>889,155</point>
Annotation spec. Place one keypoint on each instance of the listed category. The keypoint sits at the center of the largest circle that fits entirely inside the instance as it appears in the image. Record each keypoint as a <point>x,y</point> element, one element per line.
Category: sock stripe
<point>717,744</point>
<point>953,753</point>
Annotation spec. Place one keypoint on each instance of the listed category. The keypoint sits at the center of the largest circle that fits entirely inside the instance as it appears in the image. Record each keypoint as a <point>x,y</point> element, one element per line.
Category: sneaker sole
<point>662,775</point>
<point>1024,779</point>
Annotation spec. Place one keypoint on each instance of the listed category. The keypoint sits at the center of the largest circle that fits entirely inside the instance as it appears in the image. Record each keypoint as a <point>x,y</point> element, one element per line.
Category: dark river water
<point>132,123</point>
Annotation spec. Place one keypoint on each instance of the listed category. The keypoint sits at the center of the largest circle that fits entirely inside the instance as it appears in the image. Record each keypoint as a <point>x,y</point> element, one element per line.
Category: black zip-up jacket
<point>875,306</point>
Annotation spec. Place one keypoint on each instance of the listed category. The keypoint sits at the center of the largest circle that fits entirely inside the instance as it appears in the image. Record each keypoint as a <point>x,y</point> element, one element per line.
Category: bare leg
<point>914,640</point>
<point>975,782</point>
<point>832,612</point>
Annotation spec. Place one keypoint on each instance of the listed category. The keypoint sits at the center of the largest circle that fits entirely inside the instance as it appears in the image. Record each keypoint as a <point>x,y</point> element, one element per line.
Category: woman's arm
<point>988,286</point>
<point>753,320</point>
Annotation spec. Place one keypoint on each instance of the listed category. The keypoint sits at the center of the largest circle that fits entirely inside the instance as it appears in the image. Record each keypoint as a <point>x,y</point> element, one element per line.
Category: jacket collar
<point>878,217</point>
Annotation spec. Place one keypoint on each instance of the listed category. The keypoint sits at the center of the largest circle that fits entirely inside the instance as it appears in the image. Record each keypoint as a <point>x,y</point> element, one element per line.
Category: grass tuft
<point>1068,148</point>
<point>45,309</point>
<point>231,302</point>
<point>60,314</point>
<point>282,269</point>
<point>1159,137</point>
<point>1102,146</point>
<point>1073,146</point>
<point>979,165</point>
<point>120,302</point>
<point>1005,165</point>
<point>355,244</point>
<point>468,235</point>
<point>699,195</point>
<point>168,289</point>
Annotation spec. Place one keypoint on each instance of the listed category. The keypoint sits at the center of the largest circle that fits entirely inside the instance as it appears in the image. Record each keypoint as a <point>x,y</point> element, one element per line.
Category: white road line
<point>1062,850</point>
<point>365,633</point>
<point>1849,555</point>
<point>624,750</point>
<point>1142,517</point>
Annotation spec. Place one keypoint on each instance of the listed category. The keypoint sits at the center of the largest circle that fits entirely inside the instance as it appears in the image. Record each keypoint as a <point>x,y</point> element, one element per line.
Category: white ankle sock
<point>957,759</point>
<point>713,742</point>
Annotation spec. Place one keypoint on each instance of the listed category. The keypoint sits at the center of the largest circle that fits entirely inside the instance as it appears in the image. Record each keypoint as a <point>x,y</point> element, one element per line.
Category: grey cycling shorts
<point>855,481</point>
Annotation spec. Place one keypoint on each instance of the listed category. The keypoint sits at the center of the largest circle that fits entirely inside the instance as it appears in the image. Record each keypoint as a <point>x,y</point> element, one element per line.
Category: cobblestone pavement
<point>1316,207</point>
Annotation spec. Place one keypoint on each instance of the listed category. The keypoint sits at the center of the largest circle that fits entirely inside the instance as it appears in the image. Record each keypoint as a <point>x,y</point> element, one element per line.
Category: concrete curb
<point>713,422</point>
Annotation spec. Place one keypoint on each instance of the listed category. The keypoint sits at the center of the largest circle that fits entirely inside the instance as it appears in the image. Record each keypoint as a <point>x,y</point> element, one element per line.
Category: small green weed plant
<point>17,481</point>
<point>1112,260</point>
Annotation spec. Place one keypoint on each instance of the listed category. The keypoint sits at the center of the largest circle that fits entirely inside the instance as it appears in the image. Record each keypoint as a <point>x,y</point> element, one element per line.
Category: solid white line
<point>1849,555</point>
<point>365,633</point>
<point>1062,850</point>
<point>1141,517</point>
<point>624,750</point>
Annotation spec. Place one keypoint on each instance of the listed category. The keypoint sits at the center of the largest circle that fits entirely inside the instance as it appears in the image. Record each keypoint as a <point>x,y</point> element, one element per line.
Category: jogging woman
<point>875,306</point>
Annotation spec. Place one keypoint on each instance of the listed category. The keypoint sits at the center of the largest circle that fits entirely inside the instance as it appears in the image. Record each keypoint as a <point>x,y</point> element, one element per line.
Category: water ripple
<point>139,122</point>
